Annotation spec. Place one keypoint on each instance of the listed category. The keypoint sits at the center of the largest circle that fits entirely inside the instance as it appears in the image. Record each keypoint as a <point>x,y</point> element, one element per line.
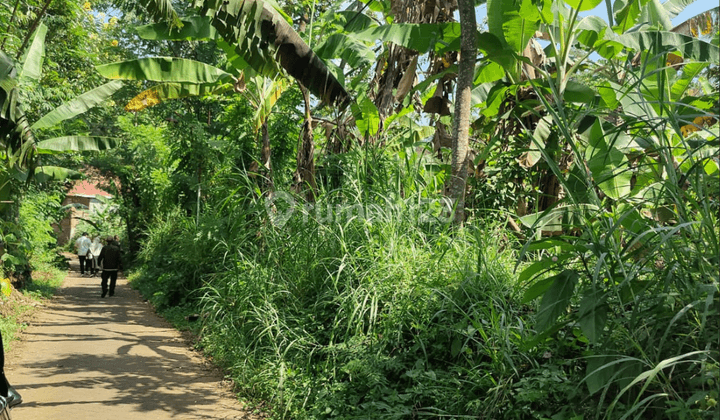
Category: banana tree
<point>624,165</point>
<point>257,39</point>
<point>567,32</point>
<point>257,35</point>
<point>180,78</point>
<point>21,148</point>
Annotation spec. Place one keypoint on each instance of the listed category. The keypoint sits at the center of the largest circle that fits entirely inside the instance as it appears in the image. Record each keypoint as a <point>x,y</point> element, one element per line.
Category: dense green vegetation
<point>291,174</point>
<point>35,252</point>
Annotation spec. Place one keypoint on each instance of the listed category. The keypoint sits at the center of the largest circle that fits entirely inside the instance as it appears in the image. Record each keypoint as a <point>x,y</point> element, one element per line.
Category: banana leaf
<point>353,21</point>
<point>356,54</point>
<point>514,23</point>
<point>262,36</point>
<point>78,105</point>
<point>46,173</point>
<point>194,28</point>
<point>33,58</point>
<point>76,144</point>
<point>675,7</point>
<point>420,37</point>
<point>164,69</point>
<point>689,47</point>
<point>162,10</point>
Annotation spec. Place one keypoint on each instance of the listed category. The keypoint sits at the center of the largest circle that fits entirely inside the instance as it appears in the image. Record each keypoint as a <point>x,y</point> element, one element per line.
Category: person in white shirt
<point>95,249</point>
<point>83,245</point>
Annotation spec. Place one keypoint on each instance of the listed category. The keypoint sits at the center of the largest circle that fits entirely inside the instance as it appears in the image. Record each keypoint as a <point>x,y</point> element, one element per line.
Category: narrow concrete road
<point>87,358</point>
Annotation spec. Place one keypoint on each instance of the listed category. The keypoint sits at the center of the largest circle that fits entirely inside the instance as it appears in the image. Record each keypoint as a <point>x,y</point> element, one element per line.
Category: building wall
<point>66,230</point>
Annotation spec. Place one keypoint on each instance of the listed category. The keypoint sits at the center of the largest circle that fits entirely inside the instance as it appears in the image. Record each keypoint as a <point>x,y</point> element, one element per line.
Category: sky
<point>694,9</point>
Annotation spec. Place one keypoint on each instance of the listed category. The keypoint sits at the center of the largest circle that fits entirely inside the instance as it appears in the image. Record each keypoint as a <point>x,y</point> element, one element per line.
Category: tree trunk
<point>461,124</point>
<point>304,176</point>
<point>391,70</point>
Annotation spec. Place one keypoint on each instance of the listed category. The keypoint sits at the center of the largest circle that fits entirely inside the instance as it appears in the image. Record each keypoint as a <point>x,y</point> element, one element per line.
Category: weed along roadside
<point>502,209</point>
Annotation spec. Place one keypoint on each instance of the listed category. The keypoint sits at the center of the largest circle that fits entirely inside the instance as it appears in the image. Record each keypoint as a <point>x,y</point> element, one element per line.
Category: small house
<point>83,197</point>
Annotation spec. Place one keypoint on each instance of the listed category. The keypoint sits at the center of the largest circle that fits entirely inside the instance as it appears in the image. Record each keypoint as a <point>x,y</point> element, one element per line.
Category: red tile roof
<point>87,188</point>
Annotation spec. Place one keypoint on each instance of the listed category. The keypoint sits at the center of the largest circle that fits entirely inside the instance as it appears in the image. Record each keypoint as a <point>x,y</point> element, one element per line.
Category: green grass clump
<point>382,314</point>
<point>367,318</point>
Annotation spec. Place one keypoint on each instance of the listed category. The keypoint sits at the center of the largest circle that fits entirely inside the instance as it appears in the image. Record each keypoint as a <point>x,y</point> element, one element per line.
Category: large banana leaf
<point>626,14</point>
<point>515,22</point>
<point>78,105</point>
<point>15,134</point>
<point>8,72</point>
<point>353,21</point>
<point>19,141</point>
<point>169,91</point>
<point>647,13</point>
<point>237,62</point>
<point>8,95</point>
<point>683,81</point>
<point>421,37</point>
<point>194,28</point>
<point>583,5</point>
<point>356,54</point>
<point>655,14</point>
<point>76,144</point>
<point>33,58</point>
<point>675,7</point>
<point>424,37</point>
<point>209,7</point>
<point>594,33</point>
<point>47,173</point>
<point>164,69</point>
<point>263,37</point>
<point>689,47</point>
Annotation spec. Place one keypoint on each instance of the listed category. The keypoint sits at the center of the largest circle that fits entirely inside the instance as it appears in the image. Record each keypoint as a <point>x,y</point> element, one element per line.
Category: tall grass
<point>365,304</point>
<point>357,318</point>
<point>642,267</point>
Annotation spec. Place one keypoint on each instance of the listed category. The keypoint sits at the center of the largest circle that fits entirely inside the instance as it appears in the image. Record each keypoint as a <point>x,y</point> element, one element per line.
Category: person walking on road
<point>111,262</point>
<point>95,250</point>
<point>83,246</point>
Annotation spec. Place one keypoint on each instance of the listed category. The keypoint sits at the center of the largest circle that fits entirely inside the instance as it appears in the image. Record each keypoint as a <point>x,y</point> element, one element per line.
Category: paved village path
<point>87,358</point>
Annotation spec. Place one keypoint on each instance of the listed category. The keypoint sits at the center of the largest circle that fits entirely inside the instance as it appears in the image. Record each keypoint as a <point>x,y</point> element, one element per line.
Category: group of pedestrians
<point>95,256</point>
<point>88,251</point>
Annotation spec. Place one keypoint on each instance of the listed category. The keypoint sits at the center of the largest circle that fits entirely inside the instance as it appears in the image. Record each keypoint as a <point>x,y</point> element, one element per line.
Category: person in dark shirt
<point>111,262</point>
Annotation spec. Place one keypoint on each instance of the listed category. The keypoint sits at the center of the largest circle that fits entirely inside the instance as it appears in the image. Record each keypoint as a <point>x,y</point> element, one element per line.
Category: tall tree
<point>463,96</point>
